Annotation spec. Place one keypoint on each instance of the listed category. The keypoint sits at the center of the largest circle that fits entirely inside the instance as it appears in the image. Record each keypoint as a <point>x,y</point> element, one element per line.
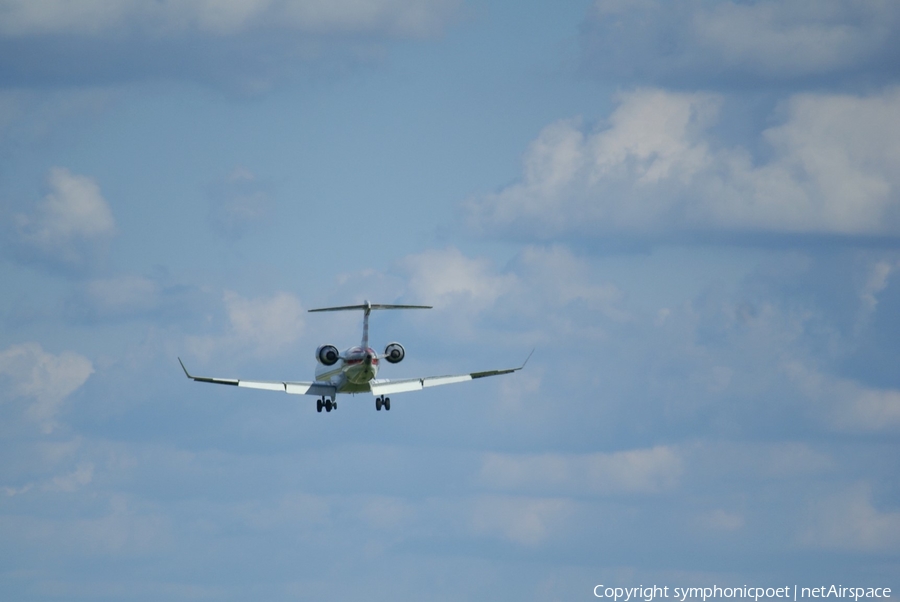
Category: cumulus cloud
<point>70,227</point>
<point>698,43</point>
<point>656,171</point>
<point>43,378</point>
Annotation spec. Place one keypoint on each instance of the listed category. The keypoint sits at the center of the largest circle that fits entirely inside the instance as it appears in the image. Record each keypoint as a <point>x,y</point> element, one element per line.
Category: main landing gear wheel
<point>387,403</point>
<point>382,402</point>
<point>378,404</point>
<point>319,405</point>
<point>329,405</point>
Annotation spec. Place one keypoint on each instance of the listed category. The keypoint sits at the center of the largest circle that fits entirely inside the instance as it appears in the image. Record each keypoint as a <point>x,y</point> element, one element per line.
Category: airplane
<point>354,370</point>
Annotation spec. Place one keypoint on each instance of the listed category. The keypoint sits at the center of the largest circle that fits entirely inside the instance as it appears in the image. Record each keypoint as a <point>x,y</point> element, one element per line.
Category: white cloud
<point>221,17</point>
<point>447,277</point>
<point>634,471</point>
<point>736,42</point>
<point>71,224</point>
<point>277,321</point>
<point>262,325</point>
<point>43,378</point>
<point>656,170</point>
<point>848,521</point>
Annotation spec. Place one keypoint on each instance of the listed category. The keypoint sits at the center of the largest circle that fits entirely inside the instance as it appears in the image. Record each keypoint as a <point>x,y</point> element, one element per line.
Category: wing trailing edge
<point>293,388</point>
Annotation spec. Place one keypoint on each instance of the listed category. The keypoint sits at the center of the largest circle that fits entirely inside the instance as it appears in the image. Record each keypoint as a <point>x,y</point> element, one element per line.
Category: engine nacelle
<point>394,353</point>
<point>328,355</point>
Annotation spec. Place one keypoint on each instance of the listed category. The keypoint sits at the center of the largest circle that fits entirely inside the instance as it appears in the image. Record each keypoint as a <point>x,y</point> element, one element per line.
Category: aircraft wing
<point>386,386</point>
<point>295,388</point>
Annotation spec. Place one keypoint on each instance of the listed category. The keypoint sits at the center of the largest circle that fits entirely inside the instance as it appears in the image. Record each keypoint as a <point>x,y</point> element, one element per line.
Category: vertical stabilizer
<point>366,312</point>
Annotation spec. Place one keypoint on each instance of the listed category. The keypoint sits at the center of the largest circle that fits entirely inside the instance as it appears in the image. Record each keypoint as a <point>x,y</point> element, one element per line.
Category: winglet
<point>523,363</point>
<point>186,373</point>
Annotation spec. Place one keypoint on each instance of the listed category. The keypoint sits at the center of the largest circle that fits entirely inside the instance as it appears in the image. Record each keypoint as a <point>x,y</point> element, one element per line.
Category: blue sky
<point>691,210</point>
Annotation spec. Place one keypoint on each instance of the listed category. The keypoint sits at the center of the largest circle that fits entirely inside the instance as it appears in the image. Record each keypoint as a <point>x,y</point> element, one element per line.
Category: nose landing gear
<point>383,402</point>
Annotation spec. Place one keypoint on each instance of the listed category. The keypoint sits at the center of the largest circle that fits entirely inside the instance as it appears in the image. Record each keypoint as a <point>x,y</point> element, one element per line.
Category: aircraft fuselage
<point>353,372</point>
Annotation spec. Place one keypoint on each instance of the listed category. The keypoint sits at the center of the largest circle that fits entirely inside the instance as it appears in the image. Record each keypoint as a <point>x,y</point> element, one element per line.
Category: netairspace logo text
<point>682,594</point>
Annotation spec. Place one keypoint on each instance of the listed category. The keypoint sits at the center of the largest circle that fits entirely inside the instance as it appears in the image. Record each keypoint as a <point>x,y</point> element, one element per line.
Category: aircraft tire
<point>378,404</point>
<point>328,406</point>
<point>387,404</point>
<point>318,405</point>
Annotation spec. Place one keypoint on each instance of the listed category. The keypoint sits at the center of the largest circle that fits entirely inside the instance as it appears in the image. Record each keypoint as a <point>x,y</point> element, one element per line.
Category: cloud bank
<point>246,46</point>
<point>742,44</point>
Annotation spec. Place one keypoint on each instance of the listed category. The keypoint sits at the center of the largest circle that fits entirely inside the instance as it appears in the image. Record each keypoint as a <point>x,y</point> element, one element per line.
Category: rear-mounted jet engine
<point>394,353</point>
<point>328,355</point>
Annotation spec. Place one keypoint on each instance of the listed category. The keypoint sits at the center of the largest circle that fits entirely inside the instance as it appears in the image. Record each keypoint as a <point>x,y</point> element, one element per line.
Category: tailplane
<point>367,308</point>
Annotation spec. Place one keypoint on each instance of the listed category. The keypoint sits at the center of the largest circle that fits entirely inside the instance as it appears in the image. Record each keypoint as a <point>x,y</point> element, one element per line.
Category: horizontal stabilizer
<point>369,306</point>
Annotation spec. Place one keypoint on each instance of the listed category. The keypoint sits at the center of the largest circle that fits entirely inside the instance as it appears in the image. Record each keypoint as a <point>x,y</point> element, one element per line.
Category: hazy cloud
<point>848,521</point>
<point>632,471</point>
<point>122,295</point>
<point>239,203</point>
<point>96,17</point>
<point>43,378</point>
<point>246,45</point>
<point>527,521</point>
<point>701,43</point>
<point>848,405</point>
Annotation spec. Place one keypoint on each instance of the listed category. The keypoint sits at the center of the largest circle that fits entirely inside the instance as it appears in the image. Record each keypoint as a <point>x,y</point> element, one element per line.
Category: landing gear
<point>383,402</point>
<point>319,405</point>
<point>327,404</point>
